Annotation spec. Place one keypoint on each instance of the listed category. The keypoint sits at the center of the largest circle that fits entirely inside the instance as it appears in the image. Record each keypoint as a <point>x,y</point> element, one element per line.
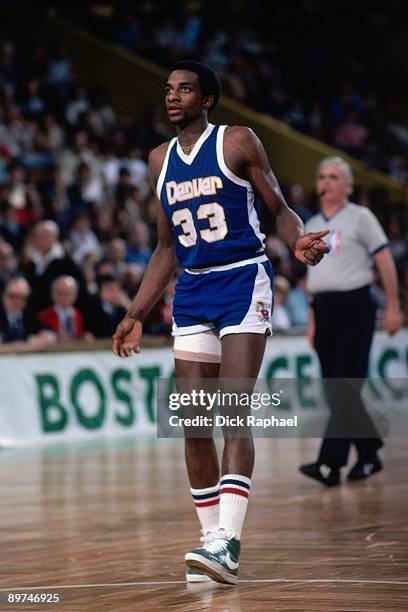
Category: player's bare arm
<point>159,272</point>
<point>246,157</point>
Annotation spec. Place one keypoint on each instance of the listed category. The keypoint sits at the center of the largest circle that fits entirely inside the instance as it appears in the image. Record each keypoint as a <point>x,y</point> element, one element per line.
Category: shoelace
<point>208,535</point>
<point>215,540</point>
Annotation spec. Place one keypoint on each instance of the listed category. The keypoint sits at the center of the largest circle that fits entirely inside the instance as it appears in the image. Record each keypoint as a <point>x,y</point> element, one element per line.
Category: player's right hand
<point>127,337</point>
<point>310,248</point>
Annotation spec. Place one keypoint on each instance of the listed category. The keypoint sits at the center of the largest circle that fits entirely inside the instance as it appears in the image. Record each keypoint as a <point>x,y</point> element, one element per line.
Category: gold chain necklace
<point>187,149</point>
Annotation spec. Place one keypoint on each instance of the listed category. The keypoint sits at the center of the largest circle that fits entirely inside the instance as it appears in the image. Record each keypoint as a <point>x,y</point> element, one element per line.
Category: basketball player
<point>208,180</point>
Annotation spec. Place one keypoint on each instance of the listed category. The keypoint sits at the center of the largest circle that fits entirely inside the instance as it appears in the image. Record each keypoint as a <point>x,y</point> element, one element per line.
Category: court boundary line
<point>169,582</point>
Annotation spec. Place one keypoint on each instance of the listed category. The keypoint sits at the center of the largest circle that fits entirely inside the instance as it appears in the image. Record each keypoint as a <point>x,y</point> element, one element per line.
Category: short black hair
<point>209,82</point>
<point>101,279</point>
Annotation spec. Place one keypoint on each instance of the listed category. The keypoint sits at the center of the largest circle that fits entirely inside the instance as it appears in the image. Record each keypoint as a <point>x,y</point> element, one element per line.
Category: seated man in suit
<point>63,317</point>
<point>17,322</point>
<point>45,259</point>
<point>107,308</point>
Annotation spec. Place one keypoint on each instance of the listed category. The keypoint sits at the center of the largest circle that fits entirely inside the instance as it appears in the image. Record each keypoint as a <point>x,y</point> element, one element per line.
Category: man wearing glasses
<point>17,322</point>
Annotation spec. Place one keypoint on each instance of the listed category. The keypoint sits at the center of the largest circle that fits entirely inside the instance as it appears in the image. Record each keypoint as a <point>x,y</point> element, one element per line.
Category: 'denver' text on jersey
<point>212,212</point>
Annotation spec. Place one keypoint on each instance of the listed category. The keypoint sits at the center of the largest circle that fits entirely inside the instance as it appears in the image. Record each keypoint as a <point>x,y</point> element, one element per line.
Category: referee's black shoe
<point>329,476</point>
<point>365,469</point>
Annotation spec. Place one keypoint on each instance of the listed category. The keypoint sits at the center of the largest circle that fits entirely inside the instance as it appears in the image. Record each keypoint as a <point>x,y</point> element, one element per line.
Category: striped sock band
<point>206,502</point>
<point>234,490</point>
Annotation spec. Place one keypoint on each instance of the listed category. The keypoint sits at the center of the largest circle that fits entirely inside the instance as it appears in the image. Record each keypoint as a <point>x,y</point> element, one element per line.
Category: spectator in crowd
<point>153,131</point>
<point>316,121</point>
<point>34,104</point>
<point>124,188</point>
<point>106,309</point>
<point>11,230</point>
<point>139,250</point>
<point>104,226</point>
<point>138,169</point>
<point>160,320</point>
<point>78,104</point>
<point>23,196</point>
<point>8,263</point>
<point>351,134</point>
<point>88,267</point>
<point>296,116</point>
<point>296,200</point>
<point>17,322</point>
<point>85,194</point>
<point>46,261</point>
<point>82,239</point>
<point>101,116</point>
<point>345,100</point>
<point>50,135</point>
<point>110,168</point>
<point>75,152</point>
<point>280,316</point>
<point>8,68</point>
<point>116,252</point>
<point>278,254</point>
<point>53,193</point>
<point>397,237</point>
<point>297,303</point>
<point>60,69</point>
<point>13,136</point>
<point>63,317</point>
<point>398,166</point>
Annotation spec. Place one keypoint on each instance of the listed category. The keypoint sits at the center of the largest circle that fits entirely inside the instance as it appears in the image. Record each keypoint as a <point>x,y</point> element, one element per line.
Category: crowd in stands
<point>336,76</point>
<point>77,216</point>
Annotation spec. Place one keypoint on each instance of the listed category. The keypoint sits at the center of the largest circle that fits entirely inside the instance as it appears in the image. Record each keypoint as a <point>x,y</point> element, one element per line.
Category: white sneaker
<point>194,575</point>
<point>218,557</point>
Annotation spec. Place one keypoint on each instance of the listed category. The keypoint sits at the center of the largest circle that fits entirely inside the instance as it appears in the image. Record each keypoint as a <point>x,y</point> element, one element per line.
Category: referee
<point>342,320</point>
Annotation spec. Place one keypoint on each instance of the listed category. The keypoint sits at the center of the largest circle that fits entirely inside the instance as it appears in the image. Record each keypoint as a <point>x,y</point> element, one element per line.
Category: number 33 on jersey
<point>212,212</point>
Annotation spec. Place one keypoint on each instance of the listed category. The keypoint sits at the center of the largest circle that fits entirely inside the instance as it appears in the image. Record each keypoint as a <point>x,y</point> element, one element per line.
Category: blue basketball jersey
<point>212,212</point>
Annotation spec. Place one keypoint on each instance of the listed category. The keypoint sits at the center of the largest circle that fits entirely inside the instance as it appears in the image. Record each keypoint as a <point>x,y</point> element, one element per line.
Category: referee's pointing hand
<point>310,248</point>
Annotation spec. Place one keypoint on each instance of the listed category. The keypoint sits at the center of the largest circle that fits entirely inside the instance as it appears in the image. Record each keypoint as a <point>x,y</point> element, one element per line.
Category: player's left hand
<point>310,248</point>
<point>392,320</point>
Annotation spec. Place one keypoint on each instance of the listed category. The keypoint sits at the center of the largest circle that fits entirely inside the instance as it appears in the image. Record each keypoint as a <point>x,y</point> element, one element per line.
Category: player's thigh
<point>242,355</point>
<point>196,369</point>
<point>241,360</point>
<point>197,362</point>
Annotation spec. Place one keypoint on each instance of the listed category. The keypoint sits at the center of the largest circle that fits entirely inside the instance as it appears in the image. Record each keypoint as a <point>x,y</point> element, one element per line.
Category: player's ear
<point>208,102</point>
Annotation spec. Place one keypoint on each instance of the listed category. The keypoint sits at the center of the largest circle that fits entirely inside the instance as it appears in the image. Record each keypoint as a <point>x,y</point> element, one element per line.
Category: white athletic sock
<point>234,493</point>
<point>206,502</point>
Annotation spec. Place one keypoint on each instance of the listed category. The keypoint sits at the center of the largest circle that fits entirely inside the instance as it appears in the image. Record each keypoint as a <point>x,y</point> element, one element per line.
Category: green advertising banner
<point>69,396</point>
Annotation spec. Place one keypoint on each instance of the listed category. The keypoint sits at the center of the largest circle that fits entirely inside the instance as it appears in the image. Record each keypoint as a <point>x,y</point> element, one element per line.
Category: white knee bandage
<point>204,346</point>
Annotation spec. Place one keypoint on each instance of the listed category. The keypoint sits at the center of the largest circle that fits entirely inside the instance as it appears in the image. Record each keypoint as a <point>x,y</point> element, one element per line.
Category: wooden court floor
<point>106,524</point>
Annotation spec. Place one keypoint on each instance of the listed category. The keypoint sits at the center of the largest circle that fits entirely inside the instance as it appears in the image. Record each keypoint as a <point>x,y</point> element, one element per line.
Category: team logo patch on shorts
<point>262,310</point>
